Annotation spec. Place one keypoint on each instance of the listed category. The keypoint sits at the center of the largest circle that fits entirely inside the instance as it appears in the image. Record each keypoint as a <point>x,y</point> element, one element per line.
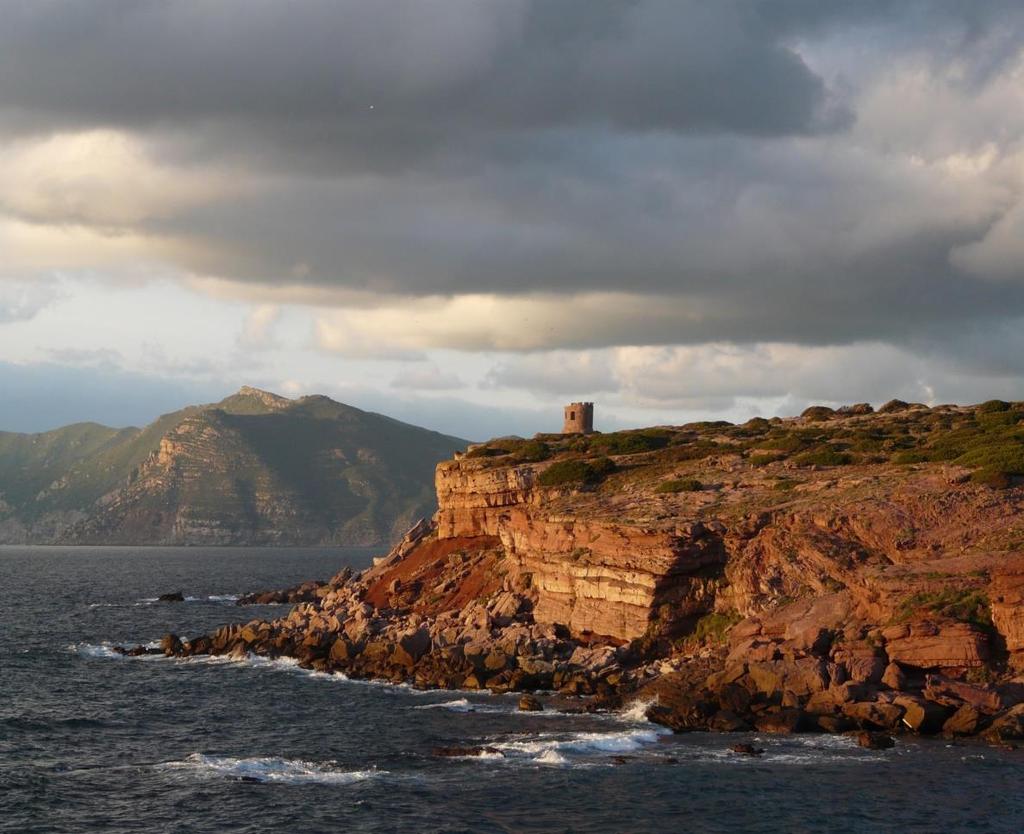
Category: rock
<point>964,722</point>
<point>725,721</point>
<point>530,703</point>
<point>875,741</point>
<point>920,715</point>
<point>747,750</point>
<point>953,693</point>
<point>874,715</point>
<point>833,723</point>
<point>176,596</point>
<point>170,645</point>
<point>928,646</point>
<point>465,752</point>
<point>1009,726</point>
<point>894,677</point>
<point>782,722</point>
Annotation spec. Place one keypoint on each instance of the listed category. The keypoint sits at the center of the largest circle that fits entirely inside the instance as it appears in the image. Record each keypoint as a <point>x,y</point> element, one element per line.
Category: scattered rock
<point>530,703</point>
<point>456,752</point>
<point>875,741</point>
<point>176,596</point>
<point>747,750</point>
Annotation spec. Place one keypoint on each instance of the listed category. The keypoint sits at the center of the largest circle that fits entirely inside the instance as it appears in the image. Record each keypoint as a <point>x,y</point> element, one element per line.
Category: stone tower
<point>579,418</point>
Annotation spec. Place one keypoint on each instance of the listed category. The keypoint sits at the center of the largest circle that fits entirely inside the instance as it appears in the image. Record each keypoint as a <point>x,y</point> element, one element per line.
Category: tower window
<point>572,415</point>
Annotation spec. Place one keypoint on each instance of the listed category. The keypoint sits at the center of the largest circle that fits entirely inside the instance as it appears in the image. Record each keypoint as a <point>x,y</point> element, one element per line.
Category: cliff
<point>255,468</point>
<point>840,570</point>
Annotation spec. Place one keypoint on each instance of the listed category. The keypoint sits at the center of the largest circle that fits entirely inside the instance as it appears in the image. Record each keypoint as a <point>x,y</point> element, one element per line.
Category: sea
<point>94,742</point>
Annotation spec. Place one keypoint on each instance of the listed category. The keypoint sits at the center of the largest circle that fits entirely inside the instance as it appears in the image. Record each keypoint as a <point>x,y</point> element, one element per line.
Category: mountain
<point>254,468</point>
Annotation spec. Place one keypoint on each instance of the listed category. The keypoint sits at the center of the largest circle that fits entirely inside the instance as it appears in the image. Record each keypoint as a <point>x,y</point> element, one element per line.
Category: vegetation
<point>965,605</point>
<point>576,471</point>
<point>712,628</point>
<point>680,485</point>
<point>824,457</point>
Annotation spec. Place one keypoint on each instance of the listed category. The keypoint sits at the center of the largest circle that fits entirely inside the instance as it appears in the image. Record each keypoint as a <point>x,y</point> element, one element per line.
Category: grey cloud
<point>430,71</point>
<point>687,152</point>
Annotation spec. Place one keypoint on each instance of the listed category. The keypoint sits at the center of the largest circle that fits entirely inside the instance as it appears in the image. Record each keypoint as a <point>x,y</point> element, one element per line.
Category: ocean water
<point>93,742</point>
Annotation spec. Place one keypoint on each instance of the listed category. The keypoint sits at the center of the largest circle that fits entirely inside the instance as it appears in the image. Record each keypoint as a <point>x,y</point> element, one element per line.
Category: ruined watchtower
<point>579,418</point>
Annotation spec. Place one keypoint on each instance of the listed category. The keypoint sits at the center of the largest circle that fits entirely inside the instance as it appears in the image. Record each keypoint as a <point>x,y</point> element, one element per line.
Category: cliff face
<point>254,468</point>
<point>718,521</point>
<point>834,572</point>
<point>592,573</point>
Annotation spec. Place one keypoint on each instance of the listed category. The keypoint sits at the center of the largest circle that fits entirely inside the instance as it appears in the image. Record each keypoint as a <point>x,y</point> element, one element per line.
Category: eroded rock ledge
<point>732,585</point>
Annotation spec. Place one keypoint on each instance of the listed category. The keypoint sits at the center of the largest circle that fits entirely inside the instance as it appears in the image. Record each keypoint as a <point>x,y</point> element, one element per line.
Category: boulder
<point>170,645</point>
<point>530,703</point>
<point>874,715</point>
<point>747,750</point>
<point>921,715</point>
<point>781,722</point>
<point>1009,726</point>
<point>953,693</point>
<point>928,646</point>
<point>875,741</point>
<point>964,722</point>
<point>894,677</point>
<point>175,596</point>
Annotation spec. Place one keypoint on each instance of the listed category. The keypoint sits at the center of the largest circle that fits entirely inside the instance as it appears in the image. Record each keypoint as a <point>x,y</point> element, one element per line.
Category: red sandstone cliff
<point>841,570</point>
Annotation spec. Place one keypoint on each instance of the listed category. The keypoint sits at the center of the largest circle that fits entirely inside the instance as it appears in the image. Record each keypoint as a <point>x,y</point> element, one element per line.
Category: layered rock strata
<point>732,588</point>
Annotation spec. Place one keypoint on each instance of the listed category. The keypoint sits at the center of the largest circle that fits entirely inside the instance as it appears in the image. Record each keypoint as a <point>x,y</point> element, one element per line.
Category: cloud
<point>257,329</point>
<point>707,202</point>
<point>426,378</point>
<point>23,300</point>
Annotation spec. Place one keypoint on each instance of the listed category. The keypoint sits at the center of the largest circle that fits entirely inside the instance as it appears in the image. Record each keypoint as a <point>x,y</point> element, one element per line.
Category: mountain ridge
<point>252,468</point>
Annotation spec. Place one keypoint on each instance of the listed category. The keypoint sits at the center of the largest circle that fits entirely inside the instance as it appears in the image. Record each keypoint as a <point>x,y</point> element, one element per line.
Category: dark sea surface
<point>90,741</point>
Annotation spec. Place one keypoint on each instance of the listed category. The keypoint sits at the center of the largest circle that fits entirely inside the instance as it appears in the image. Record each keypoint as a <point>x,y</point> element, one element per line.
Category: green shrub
<point>533,451</point>
<point>824,457</point>
<point>818,413</point>
<point>911,456</point>
<point>993,406</point>
<point>486,452</point>
<point>893,406</point>
<point>712,628</point>
<point>577,471</point>
<point>965,605</point>
<point>785,443</point>
<point>758,424</point>
<point>993,478</point>
<point>680,485</point>
<point>785,485</point>
<point>998,419</point>
<point>630,443</point>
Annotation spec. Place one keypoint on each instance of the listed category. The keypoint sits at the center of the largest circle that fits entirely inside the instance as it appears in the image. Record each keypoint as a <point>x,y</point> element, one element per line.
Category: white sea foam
<point>458,705</point>
<point>545,747</point>
<point>94,650</point>
<point>270,769</point>
<point>636,712</point>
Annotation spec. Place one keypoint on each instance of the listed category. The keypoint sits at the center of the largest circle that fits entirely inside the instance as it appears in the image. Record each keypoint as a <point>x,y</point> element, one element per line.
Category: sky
<point>466,213</point>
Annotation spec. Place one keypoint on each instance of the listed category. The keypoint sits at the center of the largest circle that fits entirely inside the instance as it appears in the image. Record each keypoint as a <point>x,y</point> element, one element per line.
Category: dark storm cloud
<point>682,150</point>
<point>431,71</point>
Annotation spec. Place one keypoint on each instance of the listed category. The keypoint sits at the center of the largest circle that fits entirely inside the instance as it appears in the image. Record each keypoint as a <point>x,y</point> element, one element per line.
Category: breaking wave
<point>269,770</point>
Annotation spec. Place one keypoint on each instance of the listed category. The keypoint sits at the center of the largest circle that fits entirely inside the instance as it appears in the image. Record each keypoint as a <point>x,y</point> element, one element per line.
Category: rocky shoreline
<point>807,683</point>
<point>843,571</point>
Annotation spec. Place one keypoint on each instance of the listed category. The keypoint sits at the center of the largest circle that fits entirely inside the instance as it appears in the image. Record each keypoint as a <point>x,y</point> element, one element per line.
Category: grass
<point>964,605</point>
<point>680,485</point>
<point>824,457</point>
<point>713,627</point>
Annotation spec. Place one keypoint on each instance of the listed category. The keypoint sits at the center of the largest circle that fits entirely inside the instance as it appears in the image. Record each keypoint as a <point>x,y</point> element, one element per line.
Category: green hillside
<point>254,468</point>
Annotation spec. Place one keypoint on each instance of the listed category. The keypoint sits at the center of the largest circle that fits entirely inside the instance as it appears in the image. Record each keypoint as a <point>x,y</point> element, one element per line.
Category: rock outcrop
<point>822,574</point>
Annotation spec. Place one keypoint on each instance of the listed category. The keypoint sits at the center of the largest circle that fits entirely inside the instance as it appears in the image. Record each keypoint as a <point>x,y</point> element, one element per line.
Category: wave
<point>556,748</point>
<point>269,769</point>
